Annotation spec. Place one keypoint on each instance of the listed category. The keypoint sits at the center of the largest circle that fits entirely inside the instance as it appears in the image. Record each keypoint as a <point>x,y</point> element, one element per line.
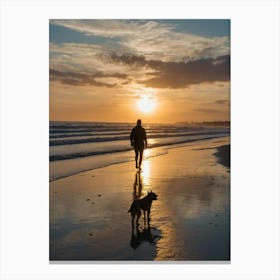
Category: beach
<point>190,220</point>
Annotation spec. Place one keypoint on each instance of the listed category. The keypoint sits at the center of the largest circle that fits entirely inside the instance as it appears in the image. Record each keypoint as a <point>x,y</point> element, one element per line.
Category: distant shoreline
<point>195,123</point>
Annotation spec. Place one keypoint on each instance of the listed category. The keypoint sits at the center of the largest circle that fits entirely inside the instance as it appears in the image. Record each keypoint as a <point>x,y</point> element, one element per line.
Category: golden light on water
<point>146,175</point>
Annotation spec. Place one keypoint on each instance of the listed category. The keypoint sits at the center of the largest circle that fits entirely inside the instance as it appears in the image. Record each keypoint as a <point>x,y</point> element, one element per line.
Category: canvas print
<point>139,140</point>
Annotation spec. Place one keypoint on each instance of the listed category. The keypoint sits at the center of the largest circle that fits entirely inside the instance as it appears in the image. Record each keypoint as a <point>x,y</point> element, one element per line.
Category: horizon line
<point>215,121</point>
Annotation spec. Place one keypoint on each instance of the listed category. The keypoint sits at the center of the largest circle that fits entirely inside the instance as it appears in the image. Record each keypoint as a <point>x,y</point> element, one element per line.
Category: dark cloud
<point>222,102</point>
<point>160,74</point>
<point>207,110</point>
<point>179,74</point>
<point>80,79</point>
<point>129,59</point>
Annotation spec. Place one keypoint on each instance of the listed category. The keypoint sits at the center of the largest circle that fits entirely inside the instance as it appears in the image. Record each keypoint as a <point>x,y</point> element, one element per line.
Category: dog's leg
<point>132,218</point>
<point>144,219</point>
<point>149,210</point>
<point>138,217</point>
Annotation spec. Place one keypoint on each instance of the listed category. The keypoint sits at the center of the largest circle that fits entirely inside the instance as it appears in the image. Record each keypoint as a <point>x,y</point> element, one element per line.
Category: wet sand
<point>190,221</point>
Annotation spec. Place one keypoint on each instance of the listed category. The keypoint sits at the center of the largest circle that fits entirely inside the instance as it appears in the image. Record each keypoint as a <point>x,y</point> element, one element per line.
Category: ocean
<point>75,147</point>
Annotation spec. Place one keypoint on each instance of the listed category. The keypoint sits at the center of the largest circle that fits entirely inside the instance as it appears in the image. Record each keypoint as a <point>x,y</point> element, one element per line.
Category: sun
<point>146,104</point>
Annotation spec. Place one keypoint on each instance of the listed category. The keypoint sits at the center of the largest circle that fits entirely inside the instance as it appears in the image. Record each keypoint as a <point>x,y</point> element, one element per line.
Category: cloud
<point>149,53</point>
<point>222,102</point>
<point>102,28</point>
<point>175,46</point>
<point>179,74</point>
<point>76,57</point>
<point>153,39</point>
<point>76,64</point>
<point>207,110</point>
<point>80,79</point>
<point>89,59</point>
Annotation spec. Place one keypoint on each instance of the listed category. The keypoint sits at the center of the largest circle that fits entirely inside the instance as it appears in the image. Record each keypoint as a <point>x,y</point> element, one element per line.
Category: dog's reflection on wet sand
<point>138,236</point>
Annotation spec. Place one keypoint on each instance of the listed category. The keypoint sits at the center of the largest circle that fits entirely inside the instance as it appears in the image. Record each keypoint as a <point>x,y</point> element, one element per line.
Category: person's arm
<point>132,137</point>
<point>145,138</point>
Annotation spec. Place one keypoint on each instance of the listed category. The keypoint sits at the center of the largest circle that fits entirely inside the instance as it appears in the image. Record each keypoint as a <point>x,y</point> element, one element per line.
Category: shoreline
<point>117,158</point>
<point>190,221</point>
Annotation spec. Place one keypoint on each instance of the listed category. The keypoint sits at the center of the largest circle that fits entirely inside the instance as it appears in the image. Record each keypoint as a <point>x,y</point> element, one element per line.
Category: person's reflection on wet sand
<point>137,186</point>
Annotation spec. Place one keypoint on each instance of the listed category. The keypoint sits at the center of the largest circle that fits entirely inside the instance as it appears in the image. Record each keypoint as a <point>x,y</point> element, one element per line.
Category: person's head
<point>139,122</point>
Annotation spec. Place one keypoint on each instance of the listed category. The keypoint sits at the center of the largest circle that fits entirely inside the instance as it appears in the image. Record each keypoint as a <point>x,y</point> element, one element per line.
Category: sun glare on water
<point>146,104</point>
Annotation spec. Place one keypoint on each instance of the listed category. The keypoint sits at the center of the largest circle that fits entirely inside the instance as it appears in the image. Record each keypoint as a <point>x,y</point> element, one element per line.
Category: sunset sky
<point>156,70</point>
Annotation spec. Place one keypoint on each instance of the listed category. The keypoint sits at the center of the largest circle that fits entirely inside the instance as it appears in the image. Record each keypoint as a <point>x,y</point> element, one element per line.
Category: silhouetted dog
<point>144,204</point>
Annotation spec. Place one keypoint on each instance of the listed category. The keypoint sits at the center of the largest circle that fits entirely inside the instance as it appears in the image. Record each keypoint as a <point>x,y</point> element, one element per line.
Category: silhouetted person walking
<point>138,139</point>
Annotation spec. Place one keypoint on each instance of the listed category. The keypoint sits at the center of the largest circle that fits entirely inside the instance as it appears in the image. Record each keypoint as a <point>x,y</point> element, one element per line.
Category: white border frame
<point>254,138</point>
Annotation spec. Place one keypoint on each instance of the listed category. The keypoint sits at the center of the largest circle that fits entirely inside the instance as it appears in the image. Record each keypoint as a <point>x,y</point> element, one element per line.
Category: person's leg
<point>136,155</point>
<point>141,155</point>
